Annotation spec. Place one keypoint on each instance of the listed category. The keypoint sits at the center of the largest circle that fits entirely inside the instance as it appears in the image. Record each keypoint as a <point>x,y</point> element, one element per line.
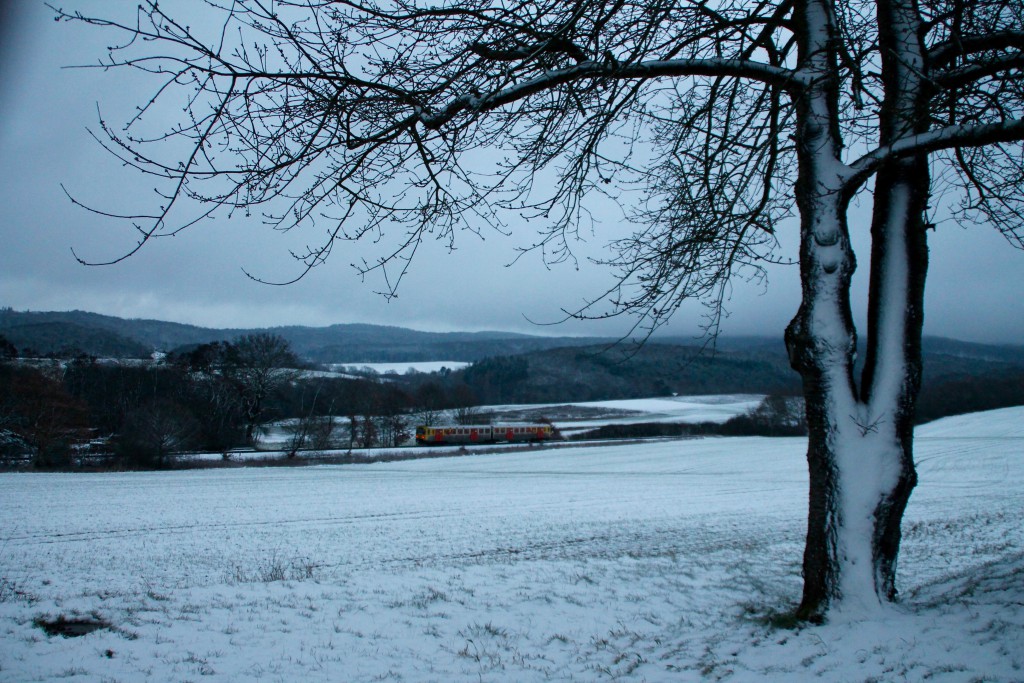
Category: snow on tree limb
<point>941,54</point>
<point>950,137</point>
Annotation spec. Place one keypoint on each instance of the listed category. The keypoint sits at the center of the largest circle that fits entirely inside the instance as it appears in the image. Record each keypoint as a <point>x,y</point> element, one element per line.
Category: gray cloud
<point>975,286</point>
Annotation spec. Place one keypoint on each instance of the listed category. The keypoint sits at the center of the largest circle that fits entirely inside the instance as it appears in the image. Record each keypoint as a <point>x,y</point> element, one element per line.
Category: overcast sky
<point>975,285</point>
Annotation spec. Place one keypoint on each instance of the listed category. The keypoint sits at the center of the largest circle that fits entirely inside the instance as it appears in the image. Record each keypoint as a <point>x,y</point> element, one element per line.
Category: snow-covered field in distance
<point>400,368</point>
<point>570,418</point>
<point>664,561</point>
<point>673,409</point>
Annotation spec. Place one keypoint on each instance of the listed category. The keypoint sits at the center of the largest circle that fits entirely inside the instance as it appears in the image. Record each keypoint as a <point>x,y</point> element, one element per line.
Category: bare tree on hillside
<point>8,351</point>
<point>430,399</point>
<point>705,120</point>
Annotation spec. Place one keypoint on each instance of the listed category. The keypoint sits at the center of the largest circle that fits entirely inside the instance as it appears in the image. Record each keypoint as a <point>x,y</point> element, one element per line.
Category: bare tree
<point>38,414</point>
<point>467,414</point>
<point>392,430</point>
<point>703,120</point>
<point>311,430</point>
<point>466,405</point>
<point>257,364</point>
<point>155,432</point>
<point>7,350</point>
<point>430,399</point>
<point>364,432</point>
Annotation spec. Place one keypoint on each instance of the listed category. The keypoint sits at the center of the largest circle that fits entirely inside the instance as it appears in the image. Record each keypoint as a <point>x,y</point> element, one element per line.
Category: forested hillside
<point>600,373</point>
<point>959,377</point>
<point>68,339</point>
<point>70,333</point>
<point>194,391</point>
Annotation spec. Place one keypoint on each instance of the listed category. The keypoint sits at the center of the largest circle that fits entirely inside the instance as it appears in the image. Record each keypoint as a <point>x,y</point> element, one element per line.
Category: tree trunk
<point>899,263</point>
<point>860,448</point>
<point>821,342</point>
<point>892,369</point>
<point>859,458</point>
<point>859,442</point>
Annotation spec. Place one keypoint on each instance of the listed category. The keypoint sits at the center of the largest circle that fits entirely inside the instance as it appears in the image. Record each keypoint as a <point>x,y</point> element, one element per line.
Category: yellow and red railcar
<point>461,434</point>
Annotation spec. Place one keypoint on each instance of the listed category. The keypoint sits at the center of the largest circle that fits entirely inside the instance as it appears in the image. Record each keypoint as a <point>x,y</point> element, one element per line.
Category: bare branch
<point>950,137</point>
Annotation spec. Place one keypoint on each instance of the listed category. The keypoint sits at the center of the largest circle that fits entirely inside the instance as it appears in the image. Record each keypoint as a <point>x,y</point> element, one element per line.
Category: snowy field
<point>669,409</point>
<point>665,561</point>
<point>398,368</point>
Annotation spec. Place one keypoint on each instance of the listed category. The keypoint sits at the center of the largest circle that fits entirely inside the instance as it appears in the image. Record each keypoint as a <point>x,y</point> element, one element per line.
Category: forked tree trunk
<point>860,447</point>
<point>859,453</point>
<point>821,342</point>
<point>861,476</point>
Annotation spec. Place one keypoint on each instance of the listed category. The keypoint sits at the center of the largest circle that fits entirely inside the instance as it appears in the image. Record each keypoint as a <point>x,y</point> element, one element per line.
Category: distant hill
<point>69,339</point>
<point>155,335</point>
<point>519,368</point>
<point>961,377</point>
<point>958,376</point>
<point>103,335</point>
<point>595,373</point>
<point>377,344</point>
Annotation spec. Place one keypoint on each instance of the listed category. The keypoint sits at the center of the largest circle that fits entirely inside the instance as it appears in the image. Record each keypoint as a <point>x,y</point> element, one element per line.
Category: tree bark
<point>821,342</point>
<point>899,263</point>
<point>860,455</point>
<point>893,363</point>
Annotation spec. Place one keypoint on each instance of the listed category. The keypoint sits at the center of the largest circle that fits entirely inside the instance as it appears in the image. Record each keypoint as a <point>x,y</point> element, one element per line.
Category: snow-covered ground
<point>673,409</point>
<point>664,561</point>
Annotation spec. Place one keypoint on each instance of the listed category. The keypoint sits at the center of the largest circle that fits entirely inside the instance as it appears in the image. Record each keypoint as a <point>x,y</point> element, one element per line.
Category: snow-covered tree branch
<point>950,137</point>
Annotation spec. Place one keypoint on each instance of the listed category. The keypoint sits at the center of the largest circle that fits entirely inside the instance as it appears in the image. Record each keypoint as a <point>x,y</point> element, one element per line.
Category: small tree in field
<point>310,432</point>
<point>430,398</point>
<point>710,123</point>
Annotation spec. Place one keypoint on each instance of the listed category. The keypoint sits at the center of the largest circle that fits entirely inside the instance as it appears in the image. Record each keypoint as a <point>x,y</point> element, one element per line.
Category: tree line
<point>216,397</point>
<point>213,397</point>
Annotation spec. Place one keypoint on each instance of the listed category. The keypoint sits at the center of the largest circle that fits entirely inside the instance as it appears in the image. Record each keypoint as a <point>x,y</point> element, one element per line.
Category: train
<point>458,434</point>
